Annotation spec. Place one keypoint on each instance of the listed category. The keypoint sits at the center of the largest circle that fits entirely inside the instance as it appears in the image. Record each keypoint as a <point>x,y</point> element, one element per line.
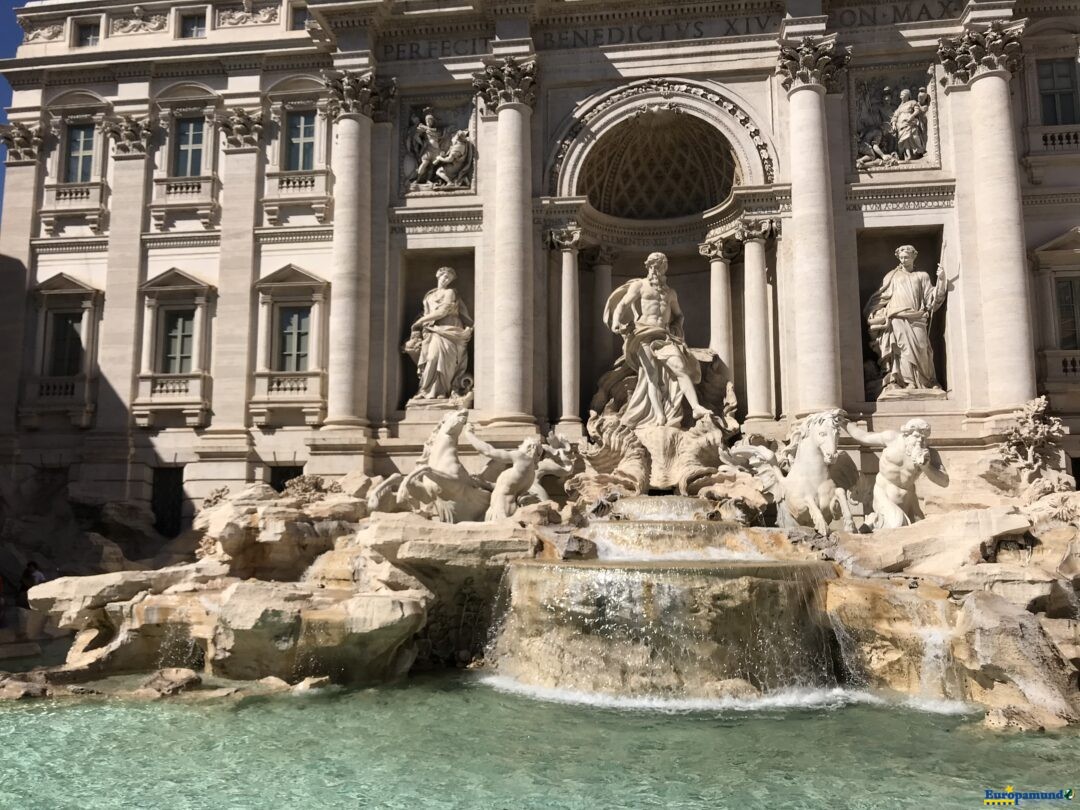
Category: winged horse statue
<point>814,490</point>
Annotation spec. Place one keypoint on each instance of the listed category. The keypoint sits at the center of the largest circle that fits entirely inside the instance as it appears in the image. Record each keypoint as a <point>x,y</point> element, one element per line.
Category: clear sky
<point>10,37</point>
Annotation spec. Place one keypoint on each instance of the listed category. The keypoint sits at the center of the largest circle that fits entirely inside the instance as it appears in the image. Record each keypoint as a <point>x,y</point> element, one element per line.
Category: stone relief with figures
<point>891,120</point>
<point>438,153</point>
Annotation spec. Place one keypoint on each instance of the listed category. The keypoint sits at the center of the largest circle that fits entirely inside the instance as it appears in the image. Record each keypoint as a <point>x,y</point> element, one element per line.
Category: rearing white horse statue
<point>815,489</point>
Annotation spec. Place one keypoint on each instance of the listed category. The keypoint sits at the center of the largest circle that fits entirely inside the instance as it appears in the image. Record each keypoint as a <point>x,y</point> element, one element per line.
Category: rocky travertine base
<point>977,605</point>
<point>290,587</point>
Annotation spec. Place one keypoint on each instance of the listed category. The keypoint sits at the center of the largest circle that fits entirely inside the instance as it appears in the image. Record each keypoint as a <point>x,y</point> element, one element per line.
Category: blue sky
<point>10,37</point>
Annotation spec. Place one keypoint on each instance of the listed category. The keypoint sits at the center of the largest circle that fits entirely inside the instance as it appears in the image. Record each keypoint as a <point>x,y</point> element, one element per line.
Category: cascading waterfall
<point>708,626</point>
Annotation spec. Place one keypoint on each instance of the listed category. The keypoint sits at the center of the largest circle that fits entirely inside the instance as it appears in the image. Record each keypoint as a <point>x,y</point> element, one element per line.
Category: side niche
<point>438,147</point>
<point>894,119</point>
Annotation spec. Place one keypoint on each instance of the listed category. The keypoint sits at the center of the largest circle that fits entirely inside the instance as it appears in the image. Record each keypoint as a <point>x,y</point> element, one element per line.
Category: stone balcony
<point>68,396</point>
<point>278,392</point>
<point>1050,146</point>
<point>79,203</point>
<point>184,197</point>
<point>160,395</point>
<point>296,190</point>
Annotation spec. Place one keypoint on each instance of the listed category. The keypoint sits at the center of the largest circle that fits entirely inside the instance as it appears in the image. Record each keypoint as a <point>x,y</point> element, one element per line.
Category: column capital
<point>131,135</point>
<point>568,238</point>
<point>750,229</point>
<point>508,80</point>
<point>812,62</point>
<point>977,52</point>
<point>23,141</point>
<point>723,248</point>
<point>243,130</point>
<point>357,92</point>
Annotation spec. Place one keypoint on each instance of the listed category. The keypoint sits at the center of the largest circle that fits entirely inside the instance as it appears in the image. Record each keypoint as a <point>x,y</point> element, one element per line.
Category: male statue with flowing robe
<point>898,315</point>
<point>646,313</point>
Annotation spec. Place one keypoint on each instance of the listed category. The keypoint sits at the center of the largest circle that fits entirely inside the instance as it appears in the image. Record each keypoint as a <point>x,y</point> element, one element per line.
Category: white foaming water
<point>606,550</point>
<point>828,698</point>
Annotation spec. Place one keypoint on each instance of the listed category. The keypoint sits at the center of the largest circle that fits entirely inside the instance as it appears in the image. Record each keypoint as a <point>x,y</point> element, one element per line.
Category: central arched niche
<point>659,164</point>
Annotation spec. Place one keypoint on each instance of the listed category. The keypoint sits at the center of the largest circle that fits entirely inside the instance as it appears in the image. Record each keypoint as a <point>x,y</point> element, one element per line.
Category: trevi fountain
<point>752,570</point>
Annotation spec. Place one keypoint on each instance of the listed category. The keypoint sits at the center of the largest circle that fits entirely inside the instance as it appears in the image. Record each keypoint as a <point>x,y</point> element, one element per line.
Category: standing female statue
<point>439,342</point>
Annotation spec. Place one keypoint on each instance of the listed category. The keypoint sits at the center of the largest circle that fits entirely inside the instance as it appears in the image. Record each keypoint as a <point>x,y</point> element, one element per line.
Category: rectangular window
<point>188,154</point>
<point>1057,91</point>
<point>179,339</point>
<point>87,34</point>
<point>300,142</point>
<point>293,331</point>
<point>298,18</point>
<point>65,344</point>
<point>1068,306</point>
<point>193,26</point>
<point>80,153</point>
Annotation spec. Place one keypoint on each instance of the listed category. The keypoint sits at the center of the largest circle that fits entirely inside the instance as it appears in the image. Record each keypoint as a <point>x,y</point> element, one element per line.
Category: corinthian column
<point>721,334</point>
<point>507,86</point>
<point>756,355</point>
<point>983,62</point>
<point>567,241</point>
<point>808,70</point>
<point>355,100</point>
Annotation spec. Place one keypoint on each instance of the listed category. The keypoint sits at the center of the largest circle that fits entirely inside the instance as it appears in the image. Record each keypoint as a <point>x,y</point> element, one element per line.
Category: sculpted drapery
<point>898,315</point>
<point>439,341</point>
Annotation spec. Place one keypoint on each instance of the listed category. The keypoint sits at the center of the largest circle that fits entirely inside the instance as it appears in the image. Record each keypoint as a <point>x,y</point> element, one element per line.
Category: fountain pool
<point>456,741</point>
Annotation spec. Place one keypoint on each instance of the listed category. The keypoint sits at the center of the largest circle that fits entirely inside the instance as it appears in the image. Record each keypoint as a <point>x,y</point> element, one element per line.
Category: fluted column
<point>756,356</point>
<point>567,241</point>
<point>355,99</point>
<point>983,62</point>
<point>603,339</point>
<point>808,70</point>
<point>507,88</point>
<point>721,334</point>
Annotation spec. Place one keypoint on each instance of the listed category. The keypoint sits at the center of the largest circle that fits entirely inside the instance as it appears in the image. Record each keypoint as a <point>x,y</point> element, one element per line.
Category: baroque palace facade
<point>222,222</point>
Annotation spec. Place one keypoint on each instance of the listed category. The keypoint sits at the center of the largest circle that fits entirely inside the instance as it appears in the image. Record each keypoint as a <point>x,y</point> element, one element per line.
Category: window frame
<point>1056,94</point>
<point>49,355</point>
<point>179,149</point>
<point>1073,278</point>
<point>278,336</point>
<point>87,157</point>
<point>80,24</point>
<point>294,9</point>
<point>288,142</point>
<point>184,15</point>
<point>161,355</point>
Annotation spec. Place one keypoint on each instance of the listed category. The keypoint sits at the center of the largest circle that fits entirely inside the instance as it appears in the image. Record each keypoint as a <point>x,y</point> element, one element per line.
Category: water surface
<point>459,742</point>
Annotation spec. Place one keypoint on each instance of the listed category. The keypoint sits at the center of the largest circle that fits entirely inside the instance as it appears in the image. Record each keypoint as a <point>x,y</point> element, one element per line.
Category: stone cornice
<point>900,196</point>
<point>271,236</point>
<point>79,244</point>
<point>437,220</point>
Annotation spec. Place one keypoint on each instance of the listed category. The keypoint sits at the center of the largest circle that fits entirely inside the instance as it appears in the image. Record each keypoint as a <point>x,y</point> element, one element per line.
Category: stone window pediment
<point>291,277</point>
<point>176,281</point>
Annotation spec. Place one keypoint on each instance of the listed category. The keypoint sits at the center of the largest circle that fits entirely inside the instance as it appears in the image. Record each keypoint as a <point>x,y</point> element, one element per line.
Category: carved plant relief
<point>248,14</point>
<point>139,22</point>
